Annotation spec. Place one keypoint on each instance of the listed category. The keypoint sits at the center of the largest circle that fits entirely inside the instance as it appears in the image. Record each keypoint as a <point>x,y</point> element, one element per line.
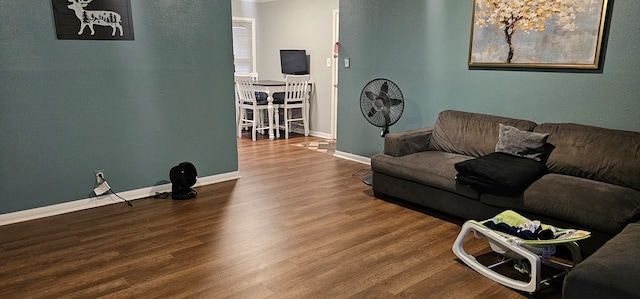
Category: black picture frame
<point>93,19</point>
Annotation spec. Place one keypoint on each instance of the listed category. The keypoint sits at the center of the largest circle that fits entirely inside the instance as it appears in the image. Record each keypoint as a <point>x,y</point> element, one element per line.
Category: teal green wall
<point>131,108</point>
<point>423,47</point>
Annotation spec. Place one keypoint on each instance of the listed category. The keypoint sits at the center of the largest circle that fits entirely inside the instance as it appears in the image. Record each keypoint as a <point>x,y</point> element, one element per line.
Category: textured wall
<point>131,108</point>
<point>423,47</point>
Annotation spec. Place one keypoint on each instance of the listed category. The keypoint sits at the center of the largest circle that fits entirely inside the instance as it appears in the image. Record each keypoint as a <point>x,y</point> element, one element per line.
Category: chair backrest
<point>244,89</point>
<point>254,75</point>
<point>297,87</point>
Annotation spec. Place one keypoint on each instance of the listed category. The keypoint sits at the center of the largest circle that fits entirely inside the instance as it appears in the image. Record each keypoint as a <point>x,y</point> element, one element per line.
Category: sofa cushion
<point>470,134</point>
<point>606,155</point>
<point>432,168</point>
<point>605,207</point>
<point>611,272</point>
<point>521,143</point>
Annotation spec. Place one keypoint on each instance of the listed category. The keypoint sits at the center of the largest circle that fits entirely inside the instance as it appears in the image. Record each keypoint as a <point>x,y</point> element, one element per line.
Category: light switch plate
<point>347,62</point>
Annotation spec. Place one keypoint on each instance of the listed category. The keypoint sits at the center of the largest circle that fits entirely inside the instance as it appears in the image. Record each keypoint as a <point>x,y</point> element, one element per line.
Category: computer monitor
<point>294,62</point>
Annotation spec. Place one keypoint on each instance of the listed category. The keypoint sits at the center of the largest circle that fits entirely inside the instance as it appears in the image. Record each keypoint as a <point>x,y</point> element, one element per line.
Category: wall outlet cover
<point>99,174</point>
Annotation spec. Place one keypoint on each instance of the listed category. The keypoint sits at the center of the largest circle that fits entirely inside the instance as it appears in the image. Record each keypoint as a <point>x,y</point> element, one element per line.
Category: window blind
<point>244,45</point>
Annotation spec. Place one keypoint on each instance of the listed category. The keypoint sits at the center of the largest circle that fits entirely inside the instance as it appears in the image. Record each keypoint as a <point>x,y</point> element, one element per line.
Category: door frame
<point>334,76</point>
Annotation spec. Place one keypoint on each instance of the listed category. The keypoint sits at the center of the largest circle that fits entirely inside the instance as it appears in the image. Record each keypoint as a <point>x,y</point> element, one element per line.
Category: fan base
<point>184,194</point>
<point>368,179</point>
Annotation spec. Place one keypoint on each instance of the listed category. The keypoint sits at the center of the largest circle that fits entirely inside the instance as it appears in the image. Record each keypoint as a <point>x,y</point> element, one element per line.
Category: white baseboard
<point>352,157</point>
<point>299,130</point>
<point>320,134</point>
<point>103,200</point>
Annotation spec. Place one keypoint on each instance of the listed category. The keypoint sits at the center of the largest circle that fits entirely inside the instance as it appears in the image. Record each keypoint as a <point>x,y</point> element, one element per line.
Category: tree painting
<point>536,24</point>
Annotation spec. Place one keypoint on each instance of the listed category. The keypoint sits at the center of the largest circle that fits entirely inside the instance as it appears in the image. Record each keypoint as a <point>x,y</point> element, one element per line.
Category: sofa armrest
<point>403,143</point>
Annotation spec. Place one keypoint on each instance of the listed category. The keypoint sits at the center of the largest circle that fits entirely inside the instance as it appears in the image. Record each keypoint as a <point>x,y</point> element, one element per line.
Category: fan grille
<point>371,108</point>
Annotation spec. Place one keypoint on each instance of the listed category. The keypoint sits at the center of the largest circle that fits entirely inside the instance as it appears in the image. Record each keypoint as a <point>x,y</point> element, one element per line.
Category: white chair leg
<point>276,121</point>
<point>253,130</point>
<point>305,114</point>
<point>260,121</point>
<point>256,118</point>
<point>287,123</point>
<point>306,127</point>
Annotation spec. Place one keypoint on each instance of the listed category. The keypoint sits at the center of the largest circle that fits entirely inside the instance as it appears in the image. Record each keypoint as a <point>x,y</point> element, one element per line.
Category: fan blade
<point>385,87</point>
<point>395,102</point>
<point>372,96</point>
<point>372,112</point>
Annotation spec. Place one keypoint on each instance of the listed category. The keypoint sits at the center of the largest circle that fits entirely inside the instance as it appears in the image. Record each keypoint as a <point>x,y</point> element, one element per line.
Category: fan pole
<point>384,131</point>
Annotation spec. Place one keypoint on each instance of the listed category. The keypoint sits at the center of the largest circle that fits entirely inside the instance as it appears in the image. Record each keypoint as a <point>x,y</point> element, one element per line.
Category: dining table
<point>270,87</point>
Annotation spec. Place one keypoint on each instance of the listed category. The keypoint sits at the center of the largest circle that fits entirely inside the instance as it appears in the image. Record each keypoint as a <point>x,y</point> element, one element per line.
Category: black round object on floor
<point>182,177</point>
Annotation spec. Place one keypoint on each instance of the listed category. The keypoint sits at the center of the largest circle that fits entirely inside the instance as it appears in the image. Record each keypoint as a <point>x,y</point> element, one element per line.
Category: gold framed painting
<point>537,33</point>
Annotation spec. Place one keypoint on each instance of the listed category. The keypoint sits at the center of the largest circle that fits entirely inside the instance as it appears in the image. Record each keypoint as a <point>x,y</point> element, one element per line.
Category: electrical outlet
<point>99,176</point>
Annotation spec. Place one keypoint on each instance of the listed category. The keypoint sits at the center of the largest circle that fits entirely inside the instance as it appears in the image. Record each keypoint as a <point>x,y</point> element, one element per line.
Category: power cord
<point>162,195</point>
<point>116,194</point>
<point>113,192</point>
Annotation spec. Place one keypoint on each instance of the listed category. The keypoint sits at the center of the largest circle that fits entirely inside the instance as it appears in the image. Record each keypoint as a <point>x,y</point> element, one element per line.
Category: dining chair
<point>250,111</point>
<point>260,96</point>
<point>296,98</point>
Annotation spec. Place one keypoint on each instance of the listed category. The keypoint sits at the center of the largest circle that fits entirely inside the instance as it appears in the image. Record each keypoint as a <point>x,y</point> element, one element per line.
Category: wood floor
<point>298,224</point>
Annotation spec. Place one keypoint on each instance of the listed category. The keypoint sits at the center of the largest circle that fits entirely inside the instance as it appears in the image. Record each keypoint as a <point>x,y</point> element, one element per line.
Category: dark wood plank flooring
<point>298,224</point>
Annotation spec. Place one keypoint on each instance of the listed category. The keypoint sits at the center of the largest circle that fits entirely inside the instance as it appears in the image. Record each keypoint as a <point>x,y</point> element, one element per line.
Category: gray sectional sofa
<point>592,182</point>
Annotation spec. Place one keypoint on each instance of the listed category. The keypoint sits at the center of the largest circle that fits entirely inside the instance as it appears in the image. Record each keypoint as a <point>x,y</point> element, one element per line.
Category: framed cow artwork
<point>93,19</point>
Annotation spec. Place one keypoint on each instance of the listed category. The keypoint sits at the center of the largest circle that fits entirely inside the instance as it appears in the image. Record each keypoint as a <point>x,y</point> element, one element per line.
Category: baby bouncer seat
<point>528,244</point>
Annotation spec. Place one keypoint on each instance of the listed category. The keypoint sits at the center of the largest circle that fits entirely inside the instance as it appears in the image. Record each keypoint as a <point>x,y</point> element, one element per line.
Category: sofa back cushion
<point>471,134</point>
<point>606,155</point>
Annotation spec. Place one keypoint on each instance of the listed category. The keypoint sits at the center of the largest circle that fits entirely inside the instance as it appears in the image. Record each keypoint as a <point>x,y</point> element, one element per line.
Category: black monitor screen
<point>294,62</point>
